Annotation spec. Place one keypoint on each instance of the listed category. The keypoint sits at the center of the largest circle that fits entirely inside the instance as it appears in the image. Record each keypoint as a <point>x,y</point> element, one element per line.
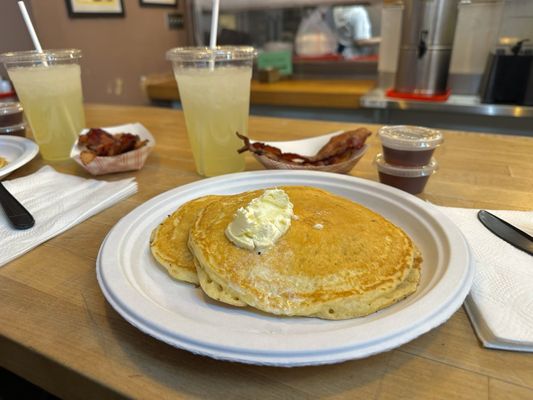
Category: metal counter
<point>459,112</point>
<point>459,104</point>
<point>455,104</point>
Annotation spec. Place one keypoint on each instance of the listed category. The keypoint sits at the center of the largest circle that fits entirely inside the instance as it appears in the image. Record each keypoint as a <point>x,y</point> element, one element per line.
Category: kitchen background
<point>119,53</point>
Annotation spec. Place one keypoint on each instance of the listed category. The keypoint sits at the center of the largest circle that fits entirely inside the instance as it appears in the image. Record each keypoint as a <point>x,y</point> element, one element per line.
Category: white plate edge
<point>30,150</point>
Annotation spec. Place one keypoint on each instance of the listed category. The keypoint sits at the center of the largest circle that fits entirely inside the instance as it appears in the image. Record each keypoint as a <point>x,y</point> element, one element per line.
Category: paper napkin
<point>57,202</point>
<point>500,304</point>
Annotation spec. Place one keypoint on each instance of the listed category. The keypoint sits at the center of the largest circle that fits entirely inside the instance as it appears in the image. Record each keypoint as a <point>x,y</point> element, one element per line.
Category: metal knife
<point>19,217</point>
<point>504,230</point>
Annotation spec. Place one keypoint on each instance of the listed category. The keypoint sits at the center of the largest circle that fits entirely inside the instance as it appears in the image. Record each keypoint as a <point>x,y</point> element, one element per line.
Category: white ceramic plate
<point>17,151</point>
<point>181,315</point>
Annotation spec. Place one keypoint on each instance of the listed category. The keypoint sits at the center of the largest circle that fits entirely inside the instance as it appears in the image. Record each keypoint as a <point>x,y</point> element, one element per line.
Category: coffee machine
<point>427,34</point>
<point>509,75</point>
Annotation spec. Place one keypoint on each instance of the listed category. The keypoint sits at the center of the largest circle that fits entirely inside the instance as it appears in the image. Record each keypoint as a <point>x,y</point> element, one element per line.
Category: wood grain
<point>343,94</point>
<point>58,331</point>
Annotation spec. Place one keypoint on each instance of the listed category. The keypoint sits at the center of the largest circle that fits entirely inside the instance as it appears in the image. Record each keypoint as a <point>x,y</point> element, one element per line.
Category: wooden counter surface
<point>343,94</point>
<point>58,331</point>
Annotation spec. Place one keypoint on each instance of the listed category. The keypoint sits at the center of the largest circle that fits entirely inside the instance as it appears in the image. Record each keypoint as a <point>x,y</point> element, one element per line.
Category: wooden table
<point>58,331</point>
<point>340,94</point>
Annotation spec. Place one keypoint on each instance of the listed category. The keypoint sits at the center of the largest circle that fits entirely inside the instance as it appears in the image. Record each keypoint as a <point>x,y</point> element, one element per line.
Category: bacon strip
<point>100,143</point>
<point>338,149</point>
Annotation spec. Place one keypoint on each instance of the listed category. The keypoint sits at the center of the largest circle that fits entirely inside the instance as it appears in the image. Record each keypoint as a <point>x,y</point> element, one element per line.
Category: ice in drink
<point>216,105</point>
<point>52,99</point>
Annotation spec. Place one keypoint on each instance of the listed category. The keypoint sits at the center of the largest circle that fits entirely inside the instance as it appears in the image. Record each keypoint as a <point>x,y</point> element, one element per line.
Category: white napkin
<point>57,202</point>
<point>500,304</point>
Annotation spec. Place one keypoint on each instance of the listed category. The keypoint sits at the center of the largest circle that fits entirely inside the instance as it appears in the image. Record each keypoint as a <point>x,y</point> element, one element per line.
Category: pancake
<point>168,242</point>
<point>338,259</point>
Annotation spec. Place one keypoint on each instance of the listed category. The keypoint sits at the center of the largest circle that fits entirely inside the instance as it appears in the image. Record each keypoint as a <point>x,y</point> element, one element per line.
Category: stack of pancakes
<point>338,259</point>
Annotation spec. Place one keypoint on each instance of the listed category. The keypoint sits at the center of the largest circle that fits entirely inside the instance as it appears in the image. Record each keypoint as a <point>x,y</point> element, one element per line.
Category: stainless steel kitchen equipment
<point>428,28</point>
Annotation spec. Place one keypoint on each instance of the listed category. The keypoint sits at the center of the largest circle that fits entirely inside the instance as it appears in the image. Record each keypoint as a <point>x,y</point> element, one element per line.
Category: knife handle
<point>19,217</point>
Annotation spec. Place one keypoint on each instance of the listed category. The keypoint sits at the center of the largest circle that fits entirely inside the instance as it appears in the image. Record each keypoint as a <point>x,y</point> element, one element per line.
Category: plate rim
<point>287,358</point>
<point>30,150</point>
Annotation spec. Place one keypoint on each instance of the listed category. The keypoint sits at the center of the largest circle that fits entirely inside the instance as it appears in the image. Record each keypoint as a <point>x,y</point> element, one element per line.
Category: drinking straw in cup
<point>29,26</point>
<point>214,86</point>
<point>48,84</point>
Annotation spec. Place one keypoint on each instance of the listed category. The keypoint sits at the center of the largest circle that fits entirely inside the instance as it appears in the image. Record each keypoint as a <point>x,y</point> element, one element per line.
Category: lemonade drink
<point>214,86</point>
<point>48,84</point>
<point>52,100</point>
<point>216,105</point>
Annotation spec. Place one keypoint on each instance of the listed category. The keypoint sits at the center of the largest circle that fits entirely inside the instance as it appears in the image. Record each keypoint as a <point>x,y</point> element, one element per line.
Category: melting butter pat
<point>262,222</point>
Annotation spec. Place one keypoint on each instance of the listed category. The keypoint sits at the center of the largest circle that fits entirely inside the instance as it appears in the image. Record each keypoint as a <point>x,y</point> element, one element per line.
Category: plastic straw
<point>30,27</point>
<point>214,24</point>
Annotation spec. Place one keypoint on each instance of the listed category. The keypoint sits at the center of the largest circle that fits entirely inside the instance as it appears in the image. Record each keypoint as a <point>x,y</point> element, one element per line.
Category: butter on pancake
<point>356,263</point>
<point>262,222</point>
<point>168,242</point>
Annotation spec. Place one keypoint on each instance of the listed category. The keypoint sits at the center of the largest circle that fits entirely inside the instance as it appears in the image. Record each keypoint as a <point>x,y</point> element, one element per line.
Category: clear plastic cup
<point>410,146</point>
<point>410,179</point>
<point>214,87</point>
<point>48,85</point>
<point>10,114</point>
<point>14,130</point>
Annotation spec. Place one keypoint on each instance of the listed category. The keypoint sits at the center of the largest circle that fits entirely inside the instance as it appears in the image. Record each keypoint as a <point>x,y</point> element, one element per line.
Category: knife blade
<point>504,230</point>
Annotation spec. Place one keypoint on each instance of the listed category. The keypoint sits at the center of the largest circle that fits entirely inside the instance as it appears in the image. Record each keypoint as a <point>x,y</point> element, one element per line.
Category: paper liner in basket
<point>309,147</point>
<point>129,161</point>
<point>339,168</point>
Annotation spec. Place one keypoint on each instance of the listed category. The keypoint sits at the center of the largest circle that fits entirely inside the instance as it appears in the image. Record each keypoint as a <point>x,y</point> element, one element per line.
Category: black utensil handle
<point>507,232</point>
<point>19,217</point>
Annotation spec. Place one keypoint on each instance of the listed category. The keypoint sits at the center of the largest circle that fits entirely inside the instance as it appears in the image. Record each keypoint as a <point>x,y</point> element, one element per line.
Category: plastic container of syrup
<point>14,130</point>
<point>410,179</point>
<point>409,146</point>
<point>10,114</point>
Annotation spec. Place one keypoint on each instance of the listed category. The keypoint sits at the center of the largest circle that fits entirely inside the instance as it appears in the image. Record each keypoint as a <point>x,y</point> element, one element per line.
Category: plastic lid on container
<point>405,172</point>
<point>406,137</point>
<point>219,53</point>
<point>12,128</point>
<point>33,56</point>
<point>10,107</point>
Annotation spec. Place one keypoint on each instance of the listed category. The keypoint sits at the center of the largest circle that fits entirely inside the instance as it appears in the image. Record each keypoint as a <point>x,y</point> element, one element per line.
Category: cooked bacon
<point>338,149</point>
<point>272,152</point>
<point>341,144</point>
<point>100,143</point>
